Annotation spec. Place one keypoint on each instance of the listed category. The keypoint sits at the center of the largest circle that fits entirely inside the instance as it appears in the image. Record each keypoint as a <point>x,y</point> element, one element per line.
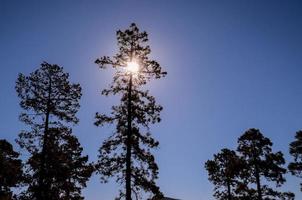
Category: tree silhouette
<point>56,169</point>
<point>126,154</point>
<point>224,172</point>
<point>10,170</point>
<point>73,171</point>
<point>256,150</point>
<point>295,149</point>
<point>67,170</point>
<point>242,190</point>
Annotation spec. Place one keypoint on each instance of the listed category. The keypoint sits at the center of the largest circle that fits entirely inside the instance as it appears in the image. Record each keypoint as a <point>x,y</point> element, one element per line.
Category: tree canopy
<point>295,149</point>
<point>10,169</point>
<point>55,169</point>
<point>223,172</point>
<point>262,163</point>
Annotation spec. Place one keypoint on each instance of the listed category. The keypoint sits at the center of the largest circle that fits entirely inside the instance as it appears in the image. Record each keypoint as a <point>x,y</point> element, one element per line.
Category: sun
<point>132,67</point>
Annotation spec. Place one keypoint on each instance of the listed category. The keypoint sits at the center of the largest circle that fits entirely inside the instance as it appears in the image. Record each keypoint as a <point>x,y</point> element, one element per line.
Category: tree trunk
<point>42,192</point>
<point>258,182</point>
<point>229,190</point>
<point>128,143</point>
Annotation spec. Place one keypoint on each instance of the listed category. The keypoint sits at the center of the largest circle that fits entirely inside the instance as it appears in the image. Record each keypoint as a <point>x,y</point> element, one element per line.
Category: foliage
<point>55,169</point>
<point>262,163</point>
<point>247,173</point>
<point>224,173</point>
<point>131,143</point>
<point>295,150</point>
<point>10,169</point>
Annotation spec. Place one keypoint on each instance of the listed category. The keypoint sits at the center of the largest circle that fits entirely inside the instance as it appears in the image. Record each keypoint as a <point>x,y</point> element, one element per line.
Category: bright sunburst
<point>132,67</point>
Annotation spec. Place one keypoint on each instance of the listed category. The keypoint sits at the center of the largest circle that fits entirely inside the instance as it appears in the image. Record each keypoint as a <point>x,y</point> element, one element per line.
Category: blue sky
<point>232,65</point>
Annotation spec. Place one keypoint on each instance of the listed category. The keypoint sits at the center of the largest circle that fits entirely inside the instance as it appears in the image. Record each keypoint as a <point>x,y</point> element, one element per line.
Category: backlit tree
<point>10,170</point>
<point>262,163</point>
<point>50,103</point>
<point>224,172</point>
<point>126,154</point>
<point>295,149</point>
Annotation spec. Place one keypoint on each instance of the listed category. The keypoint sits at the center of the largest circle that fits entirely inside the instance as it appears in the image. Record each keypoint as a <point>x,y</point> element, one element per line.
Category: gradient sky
<point>232,65</point>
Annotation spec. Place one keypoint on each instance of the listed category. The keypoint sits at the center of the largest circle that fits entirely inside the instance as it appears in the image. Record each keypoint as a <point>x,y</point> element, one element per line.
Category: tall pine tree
<point>50,103</point>
<point>126,154</point>
<point>10,170</point>
<point>262,163</point>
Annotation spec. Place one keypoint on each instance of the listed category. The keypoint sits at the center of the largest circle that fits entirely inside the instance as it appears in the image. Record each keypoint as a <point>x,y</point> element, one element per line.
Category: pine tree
<point>126,154</point>
<point>262,163</point>
<point>295,150</point>
<point>74,171</point>
<point>224,172</point>
<point>10,170</point>
<point>50,103</point>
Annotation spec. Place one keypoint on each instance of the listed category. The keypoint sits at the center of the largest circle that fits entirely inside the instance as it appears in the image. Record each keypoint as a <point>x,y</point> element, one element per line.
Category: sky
<point>232,65</point>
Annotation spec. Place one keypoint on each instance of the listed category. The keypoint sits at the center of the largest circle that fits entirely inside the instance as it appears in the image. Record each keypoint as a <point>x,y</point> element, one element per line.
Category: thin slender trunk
<point>257,173</point>
<point>229,190</point>
<point>42,192</point>
<point>128,143</point>
<point>258,182</point>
